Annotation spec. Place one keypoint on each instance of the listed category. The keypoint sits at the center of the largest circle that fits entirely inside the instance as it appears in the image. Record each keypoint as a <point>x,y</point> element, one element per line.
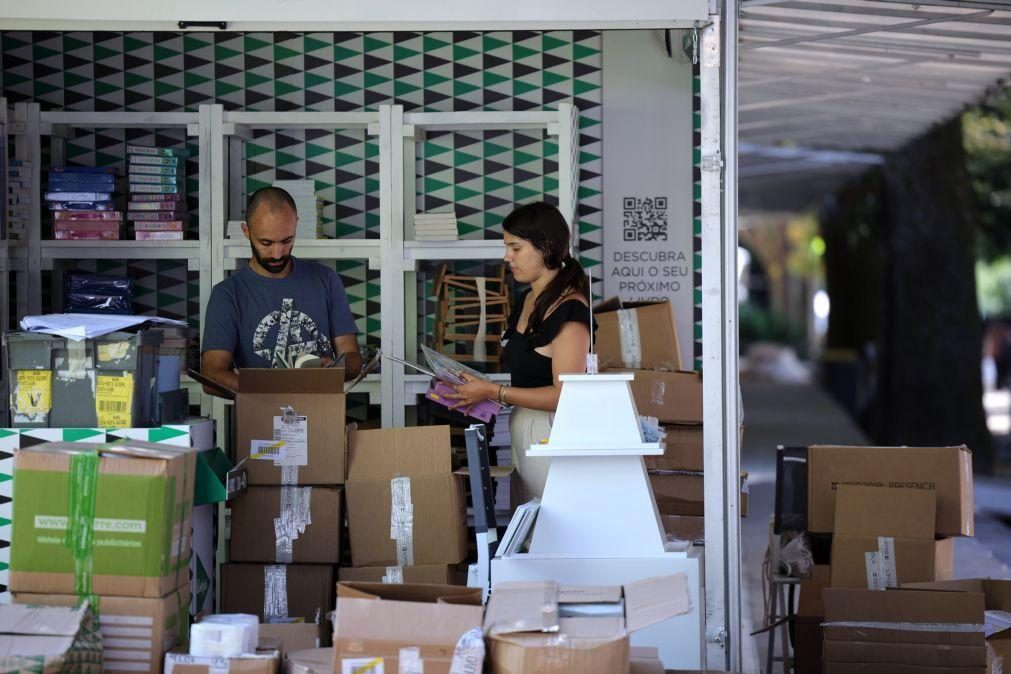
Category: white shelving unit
<point>29,126</point>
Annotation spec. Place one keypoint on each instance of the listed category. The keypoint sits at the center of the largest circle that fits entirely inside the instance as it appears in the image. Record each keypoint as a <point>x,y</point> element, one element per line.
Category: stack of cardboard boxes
<point>285,532</point>
<point>110,523</point>
<point>892,513</point>
<point>641,337</point>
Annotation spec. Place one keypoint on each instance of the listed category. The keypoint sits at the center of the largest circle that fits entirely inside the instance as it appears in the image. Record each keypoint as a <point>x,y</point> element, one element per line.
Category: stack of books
<point>19,202</point>
<point>501,442</point>
<point>80,199</point>
<point>157,206</point>
<point>308,205</point>
<point>435,227</point>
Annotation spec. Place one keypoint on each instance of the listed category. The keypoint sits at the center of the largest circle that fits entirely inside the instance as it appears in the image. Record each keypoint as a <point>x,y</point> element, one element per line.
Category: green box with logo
<point>94,519</point>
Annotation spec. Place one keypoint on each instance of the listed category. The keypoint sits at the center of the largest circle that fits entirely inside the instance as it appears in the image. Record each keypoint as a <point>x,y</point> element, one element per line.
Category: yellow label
<point>35,392</point>
<point>114,400</point>
<point>113,351</point>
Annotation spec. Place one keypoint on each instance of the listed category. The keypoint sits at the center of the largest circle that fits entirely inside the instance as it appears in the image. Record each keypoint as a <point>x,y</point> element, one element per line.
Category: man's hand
<point>217,365</point>
<point>348,345</point>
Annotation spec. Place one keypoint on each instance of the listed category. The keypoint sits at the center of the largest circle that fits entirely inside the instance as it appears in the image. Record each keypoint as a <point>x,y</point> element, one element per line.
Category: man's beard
<point>272,266</point>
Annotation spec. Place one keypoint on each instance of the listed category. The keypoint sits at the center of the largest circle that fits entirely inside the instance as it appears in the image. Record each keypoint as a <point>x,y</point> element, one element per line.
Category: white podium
<point>598,523</point>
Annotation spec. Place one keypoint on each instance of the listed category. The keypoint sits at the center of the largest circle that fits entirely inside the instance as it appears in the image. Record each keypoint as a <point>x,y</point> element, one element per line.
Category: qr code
<point>644,218</point>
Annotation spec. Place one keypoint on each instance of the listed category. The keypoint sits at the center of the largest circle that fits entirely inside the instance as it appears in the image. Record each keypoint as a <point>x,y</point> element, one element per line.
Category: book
<point>57,206</point>
<point>157,151</point>
<point>153,178</point>
<point>155,205</point>
<point>152,215</point>
<point>154,189</point>
<point>153,168</point>
<point>78,196</point>
<point>156,197</point>
<point>87,215</point>
<point>86,235</point>
<point>89,225</point>
<point>151,159</point>
<point>158,236</point>
<point>147,226</point>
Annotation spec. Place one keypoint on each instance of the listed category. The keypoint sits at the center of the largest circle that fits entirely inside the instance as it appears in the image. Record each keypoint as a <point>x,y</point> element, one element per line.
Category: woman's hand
<point>473,392</point>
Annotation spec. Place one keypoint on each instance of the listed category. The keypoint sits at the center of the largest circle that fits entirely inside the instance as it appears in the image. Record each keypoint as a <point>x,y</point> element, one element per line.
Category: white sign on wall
<point>647,119</point>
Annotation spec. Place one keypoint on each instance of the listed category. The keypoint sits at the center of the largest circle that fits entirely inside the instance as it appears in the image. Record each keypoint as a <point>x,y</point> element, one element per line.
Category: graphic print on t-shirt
<point>296,333</point>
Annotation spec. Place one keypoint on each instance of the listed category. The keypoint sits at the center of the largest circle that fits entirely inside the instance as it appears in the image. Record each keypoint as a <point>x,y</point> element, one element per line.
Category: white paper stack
<point>308,205</point>
<point>225,635</point>
<point>435,227</point>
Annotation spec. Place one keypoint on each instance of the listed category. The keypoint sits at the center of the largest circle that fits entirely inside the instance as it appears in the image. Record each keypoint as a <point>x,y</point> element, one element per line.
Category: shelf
<point>480,120</point>
<point>117,120</point>
<point>484,249</point>
<point>120,250</point>
<point>312,249</point>
<point>298,120</point>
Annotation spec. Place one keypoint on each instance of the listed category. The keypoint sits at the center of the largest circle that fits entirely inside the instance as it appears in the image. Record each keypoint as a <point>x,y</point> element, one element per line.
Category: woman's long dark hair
<point>544,227</point>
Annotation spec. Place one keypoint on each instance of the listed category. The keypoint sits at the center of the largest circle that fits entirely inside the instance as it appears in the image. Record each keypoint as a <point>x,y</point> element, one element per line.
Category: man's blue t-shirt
<point>258,319</point>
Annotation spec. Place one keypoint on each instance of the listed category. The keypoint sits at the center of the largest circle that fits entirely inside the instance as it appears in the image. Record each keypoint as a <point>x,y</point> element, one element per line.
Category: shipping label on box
<point>128,507</point>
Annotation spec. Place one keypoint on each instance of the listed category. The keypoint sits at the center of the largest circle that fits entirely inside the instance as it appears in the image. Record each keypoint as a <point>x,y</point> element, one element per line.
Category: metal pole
<point>730,373</point>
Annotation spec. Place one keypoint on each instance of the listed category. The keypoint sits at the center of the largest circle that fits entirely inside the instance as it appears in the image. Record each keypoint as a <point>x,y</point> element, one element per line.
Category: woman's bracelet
<point>501,393</point>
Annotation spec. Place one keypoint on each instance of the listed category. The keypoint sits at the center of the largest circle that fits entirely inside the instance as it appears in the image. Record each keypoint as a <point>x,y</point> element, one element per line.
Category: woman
<point>548,334</point>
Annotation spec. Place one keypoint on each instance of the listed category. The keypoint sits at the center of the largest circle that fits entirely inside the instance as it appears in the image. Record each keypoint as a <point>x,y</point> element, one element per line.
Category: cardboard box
<point>260,663</point>
<point>376,620</point>
<point>944,470</point>
<point>682,449</point>
<point>313,393</point>
<point>898,615</point>
<point>544,628</point>
<point>644,660</point>
<point>671,397</point>
<point>290,636</point>
<point>142,517</point>
<point>135,630</point>
<point>309,661</point>
<point>425,574</point>
<point>304,590</point>
<point>404,464</point>
<point>997,597</point>
<point>310,518</point>
<point>680,492</point>
<point>891,668</point>
<point>885,537</point>
<point>685,528</point>
<point>642,335</point>
<point>50,639</point>
<point>807,639</point>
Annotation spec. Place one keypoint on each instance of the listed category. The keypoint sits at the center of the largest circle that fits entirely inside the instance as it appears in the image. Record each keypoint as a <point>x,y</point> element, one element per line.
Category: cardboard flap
<point>27,646</point>
<point>522,607</point>
<point>43,621</point>
<point>882,511</point>
<point>654,600</point>
<point>391,452</point>
<point>421,593</point>
<point>997,592</point>
<point>295,380</point>
<point>589,594</point>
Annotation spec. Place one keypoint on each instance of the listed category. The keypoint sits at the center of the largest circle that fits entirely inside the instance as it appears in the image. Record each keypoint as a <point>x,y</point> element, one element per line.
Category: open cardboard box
<point>546,628</point>
<point>314,393</point>
<point>375,620</point>
<point>885,537</point>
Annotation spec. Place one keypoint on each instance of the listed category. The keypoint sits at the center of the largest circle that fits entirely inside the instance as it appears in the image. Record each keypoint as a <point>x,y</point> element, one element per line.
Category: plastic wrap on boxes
<point>93,293</point>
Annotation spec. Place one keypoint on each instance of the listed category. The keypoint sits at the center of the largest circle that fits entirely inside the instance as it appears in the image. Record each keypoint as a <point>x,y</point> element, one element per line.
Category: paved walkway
<point>802,414</point>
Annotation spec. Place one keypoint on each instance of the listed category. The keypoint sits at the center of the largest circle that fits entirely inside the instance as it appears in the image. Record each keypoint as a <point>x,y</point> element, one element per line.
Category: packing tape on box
<point>402,520</point>
<point>77,357</point>
<point>656,395</point>
<point>628,335</point>
<point>80,536</point>
<point>275,592</point>
<point>295,516</point>
<point>409,661</point>
<point>910,627</point>
<point>468,656</point>
<point>394,575</point>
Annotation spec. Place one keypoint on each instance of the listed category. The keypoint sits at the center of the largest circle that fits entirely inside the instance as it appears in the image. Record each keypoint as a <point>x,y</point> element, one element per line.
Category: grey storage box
<point>113,381</point>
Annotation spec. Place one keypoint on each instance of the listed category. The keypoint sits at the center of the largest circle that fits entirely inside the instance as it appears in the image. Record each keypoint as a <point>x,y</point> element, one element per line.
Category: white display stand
<point>598,522</point>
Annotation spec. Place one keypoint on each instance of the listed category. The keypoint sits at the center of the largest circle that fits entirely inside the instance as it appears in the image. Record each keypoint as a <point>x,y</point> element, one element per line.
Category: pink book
<point>86,225</point>
<point>484,410</point>
<point>86,235</point>
<point>87,215</point>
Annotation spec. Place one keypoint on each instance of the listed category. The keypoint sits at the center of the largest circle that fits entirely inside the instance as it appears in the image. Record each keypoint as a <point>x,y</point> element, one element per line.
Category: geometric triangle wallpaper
<point>483,175</point>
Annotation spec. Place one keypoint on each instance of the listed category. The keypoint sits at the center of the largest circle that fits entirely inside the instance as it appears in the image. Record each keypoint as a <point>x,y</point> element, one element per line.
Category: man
<point>278,307</point>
